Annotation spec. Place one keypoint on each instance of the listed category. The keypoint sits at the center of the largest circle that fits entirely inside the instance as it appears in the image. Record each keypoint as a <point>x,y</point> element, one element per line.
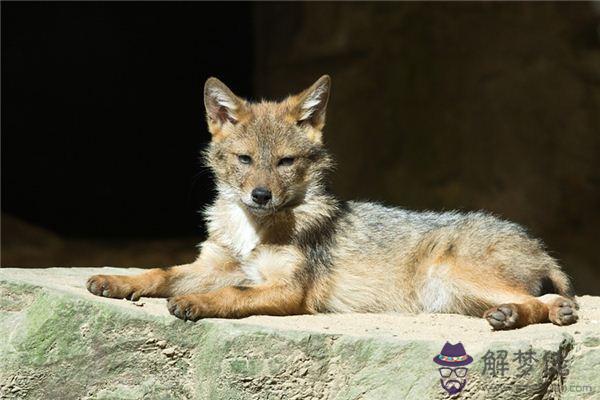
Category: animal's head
<point>268,156</point>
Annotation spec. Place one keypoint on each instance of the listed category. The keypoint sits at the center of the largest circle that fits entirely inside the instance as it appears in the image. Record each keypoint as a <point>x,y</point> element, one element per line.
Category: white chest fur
<point>239,232</point>
<point>235,230</point>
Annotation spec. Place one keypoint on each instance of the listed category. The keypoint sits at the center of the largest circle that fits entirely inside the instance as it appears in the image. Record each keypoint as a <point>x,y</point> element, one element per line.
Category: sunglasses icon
<point>447,372</point>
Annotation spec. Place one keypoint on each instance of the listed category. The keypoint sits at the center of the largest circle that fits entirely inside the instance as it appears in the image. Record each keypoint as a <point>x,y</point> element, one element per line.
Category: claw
<point>134,296</point>
<point>497,315</point>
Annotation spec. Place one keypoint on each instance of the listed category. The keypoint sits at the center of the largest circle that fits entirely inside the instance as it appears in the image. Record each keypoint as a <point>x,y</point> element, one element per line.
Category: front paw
<point>188,308</point>
<point>114,286</point>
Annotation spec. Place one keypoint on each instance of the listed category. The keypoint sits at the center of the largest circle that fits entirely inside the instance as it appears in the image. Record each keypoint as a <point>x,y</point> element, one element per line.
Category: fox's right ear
<point>222,106</point>
<point>312,103</point>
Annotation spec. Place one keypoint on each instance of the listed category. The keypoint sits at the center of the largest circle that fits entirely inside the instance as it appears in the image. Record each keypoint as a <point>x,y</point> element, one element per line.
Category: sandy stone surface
<point>103,348</point>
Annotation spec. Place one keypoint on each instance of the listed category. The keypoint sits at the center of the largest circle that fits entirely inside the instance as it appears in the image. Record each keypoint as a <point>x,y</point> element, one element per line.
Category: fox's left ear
<point>312,103</point>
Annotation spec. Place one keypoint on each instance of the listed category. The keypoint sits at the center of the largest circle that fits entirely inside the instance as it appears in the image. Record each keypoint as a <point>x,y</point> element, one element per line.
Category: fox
<point>280,243</point>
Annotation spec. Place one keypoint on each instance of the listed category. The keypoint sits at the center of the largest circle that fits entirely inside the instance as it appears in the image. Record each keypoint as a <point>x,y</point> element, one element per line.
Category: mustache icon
<point>453,386</point>
<point>452,382</point>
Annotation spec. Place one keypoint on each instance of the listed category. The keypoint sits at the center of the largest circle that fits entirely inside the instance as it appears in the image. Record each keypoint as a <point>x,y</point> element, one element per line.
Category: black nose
<point>261,195</point>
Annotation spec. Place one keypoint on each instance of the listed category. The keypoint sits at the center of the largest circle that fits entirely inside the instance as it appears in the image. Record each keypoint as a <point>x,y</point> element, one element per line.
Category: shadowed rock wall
<point>470,106</point>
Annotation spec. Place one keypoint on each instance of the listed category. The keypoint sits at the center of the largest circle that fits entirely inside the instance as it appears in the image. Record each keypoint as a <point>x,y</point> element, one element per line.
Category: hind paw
<point>563,311</point>
<point>505,316</point>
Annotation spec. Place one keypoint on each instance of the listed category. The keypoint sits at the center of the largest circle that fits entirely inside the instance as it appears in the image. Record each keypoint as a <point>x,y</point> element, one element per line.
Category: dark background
<point>467,106</point>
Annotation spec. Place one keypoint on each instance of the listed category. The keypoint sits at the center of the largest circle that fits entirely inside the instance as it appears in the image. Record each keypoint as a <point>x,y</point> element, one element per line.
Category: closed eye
<point>285,162</point>
<point>244,159</point>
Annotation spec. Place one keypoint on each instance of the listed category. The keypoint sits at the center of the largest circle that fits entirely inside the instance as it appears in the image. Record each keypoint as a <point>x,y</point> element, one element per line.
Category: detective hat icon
<point>453,355</point>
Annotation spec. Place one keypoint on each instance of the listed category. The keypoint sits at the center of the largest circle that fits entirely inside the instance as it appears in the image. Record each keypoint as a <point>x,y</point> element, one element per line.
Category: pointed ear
<point>222,106</point>
<point>312,103</point>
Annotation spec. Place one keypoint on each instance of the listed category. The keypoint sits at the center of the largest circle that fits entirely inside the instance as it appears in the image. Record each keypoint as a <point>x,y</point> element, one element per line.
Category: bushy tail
<point>561,284</point>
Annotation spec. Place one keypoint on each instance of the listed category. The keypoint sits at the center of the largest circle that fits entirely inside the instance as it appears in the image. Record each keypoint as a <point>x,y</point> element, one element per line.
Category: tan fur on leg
<point>548,308</point>
<point>239,302</point>
<point>152,283</point>
<point>517,315</point>
<point>213,269</point>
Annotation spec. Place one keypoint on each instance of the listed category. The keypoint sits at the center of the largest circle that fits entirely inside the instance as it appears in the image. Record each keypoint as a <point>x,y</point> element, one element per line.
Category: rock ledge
<point>58,341</point>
